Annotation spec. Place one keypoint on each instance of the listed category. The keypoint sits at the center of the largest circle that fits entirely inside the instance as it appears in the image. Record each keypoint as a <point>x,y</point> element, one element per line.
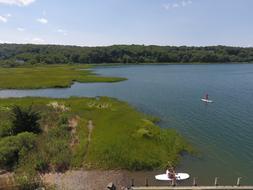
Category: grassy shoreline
<point>122,138</point>
<point>52,76</point>
<point>165,63</point>
<point>63,76</point>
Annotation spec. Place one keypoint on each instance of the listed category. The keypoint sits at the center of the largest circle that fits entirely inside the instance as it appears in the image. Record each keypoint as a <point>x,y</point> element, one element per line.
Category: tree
<point>25,119</point>
<point>56,54</point>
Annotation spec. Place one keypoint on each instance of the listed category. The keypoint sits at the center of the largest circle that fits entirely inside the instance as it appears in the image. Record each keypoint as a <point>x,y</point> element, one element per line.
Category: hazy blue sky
<point>107,22</point>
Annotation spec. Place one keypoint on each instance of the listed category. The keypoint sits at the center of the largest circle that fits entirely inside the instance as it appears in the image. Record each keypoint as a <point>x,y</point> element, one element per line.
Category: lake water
<point>222,132</point>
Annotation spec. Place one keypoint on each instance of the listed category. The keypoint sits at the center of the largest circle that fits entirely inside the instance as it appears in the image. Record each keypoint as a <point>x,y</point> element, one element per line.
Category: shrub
<point>41,165</point>
<point>27,182</point>
<point>63,120</point>
<point>57,146</point>
<point>13,148</point>
<point>25,120</point>
<point>5,129</point>
<point>63,124</point>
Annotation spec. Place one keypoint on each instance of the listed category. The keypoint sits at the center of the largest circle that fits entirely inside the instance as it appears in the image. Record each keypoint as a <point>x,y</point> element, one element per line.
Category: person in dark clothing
<point>206,96</point>
<point>171,172</point>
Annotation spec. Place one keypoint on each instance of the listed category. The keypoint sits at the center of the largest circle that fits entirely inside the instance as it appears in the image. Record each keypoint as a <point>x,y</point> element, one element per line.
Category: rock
<point>111,186</point>
<point>2,172</point>
<point>41,188</point>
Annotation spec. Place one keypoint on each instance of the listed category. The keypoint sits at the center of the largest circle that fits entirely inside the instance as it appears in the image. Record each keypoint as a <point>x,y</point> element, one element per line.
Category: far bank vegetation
<point>18,54</point>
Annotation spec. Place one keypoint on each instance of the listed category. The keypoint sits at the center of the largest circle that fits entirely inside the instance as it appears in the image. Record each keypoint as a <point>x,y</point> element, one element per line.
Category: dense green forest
<point>15,54</point>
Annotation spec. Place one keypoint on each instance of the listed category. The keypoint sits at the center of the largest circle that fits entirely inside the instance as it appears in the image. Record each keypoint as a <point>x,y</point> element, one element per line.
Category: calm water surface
<point>222,131</point>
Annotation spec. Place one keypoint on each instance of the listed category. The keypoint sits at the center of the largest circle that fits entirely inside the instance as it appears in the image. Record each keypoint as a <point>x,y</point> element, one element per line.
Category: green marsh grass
<point>49,76</point>
<point>122,138</point>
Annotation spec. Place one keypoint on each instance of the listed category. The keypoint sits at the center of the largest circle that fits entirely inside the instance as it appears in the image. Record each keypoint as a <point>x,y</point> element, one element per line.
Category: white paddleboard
<point>205,100</point>
<point>179,176</point>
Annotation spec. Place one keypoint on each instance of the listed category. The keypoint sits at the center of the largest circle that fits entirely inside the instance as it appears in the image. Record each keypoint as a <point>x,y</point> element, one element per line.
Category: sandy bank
<point>87,180</point>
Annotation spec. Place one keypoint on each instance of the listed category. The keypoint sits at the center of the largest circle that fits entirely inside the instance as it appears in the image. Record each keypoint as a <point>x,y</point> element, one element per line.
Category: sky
<point>108,22</point>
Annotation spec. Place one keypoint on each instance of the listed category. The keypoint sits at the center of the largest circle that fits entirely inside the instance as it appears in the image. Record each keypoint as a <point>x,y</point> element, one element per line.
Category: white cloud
<point>166,6</point>
<point>38,40</point>
<point>177,4</point>
<point>3,19</point>
<point>42,20</point>
<point>185,3</point>
<point>5,42</point>
<point>21,29</point>
<point>64,32</point>
<point>17,2</point>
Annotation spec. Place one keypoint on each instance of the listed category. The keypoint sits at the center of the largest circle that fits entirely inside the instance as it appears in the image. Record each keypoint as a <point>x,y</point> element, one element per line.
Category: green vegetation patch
<point>53,76</point>
<point>28,54</point>
<point>93,133</point>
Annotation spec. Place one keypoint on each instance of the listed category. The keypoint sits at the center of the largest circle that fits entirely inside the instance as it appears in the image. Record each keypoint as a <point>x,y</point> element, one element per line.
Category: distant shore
<point>19,54</point>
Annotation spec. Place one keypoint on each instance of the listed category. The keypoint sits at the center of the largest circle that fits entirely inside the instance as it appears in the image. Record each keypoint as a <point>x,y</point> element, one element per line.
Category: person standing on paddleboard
<point>206,96</point>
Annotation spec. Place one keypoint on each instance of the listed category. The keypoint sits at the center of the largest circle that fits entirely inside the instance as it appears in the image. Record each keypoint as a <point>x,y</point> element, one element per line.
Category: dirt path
<point>6,179</point>
<point>87,180</point>
<point>98,179</point>
<point>90,128</point>
<point>73,123</point>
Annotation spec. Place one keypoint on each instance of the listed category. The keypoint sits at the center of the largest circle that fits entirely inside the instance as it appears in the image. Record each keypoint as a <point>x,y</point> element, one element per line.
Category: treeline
<point>14,54</point>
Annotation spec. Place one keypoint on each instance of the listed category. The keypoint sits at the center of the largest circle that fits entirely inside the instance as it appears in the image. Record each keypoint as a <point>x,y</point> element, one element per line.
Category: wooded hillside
<point>16,54</point>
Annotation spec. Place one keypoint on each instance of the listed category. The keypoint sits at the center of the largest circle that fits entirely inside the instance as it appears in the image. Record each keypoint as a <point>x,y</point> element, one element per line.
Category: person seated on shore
<point>171,173</point>
<point>168,171</point>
